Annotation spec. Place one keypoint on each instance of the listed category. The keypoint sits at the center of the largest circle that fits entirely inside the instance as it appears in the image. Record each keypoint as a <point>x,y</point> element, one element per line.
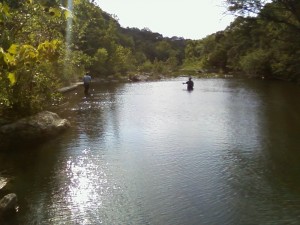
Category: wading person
<point>190,84</point>
<point>86,83</point>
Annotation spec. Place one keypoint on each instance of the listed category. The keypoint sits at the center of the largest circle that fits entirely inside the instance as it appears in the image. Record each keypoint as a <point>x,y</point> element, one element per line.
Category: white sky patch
<point>191,19</point>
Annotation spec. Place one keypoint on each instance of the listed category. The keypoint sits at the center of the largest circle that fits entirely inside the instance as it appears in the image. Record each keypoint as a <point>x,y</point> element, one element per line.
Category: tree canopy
<point>263,41</point>
<point>46,44</point>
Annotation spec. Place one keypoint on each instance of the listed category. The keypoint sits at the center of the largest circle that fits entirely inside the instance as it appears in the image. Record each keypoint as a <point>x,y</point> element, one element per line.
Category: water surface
<point>153,153</point>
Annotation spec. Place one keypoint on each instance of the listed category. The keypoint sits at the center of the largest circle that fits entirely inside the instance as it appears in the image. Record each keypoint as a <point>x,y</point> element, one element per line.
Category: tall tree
<point>280,11</point>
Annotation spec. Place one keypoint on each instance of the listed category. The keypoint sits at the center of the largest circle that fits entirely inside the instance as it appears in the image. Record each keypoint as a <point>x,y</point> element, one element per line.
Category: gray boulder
<point>8,204</point>
<point>3,185</point>
<point>41,126</point>
<point>139,77</point>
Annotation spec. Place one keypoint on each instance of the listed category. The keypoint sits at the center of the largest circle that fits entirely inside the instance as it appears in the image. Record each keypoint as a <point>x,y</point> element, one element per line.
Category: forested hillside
<point>47,44</point>
<point>263,41</point>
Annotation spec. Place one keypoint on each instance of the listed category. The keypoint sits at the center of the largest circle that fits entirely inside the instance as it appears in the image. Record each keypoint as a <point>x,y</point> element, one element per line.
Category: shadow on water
<point>264,159</point>
<point>282,123</point>
<point>27,169</point>
<point>32,167</point>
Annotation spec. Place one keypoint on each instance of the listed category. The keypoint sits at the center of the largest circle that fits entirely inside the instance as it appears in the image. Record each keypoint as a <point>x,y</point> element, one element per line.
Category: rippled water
<point>153,153</point>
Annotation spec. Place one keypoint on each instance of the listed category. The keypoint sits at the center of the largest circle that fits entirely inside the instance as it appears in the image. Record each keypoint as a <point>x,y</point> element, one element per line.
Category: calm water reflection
<point>152,153</point>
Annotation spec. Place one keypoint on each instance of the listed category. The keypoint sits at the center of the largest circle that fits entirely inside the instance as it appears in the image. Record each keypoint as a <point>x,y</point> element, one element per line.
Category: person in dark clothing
<point>190,84</point>
<point>86,83</point>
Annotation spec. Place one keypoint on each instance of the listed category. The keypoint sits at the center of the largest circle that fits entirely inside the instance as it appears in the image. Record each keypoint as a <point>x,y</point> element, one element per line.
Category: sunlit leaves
<point>246,7</point>
<point>13,49</point>
<point>68,14</point>
<point>2,53</point>
<point>31,40</point>
<point>55,12</point>
<point>27,67</point>
<point>121,59</point>
<point>40,45</point>
<point>4,11</point>
<point>29,54</point>
<point>76,2</point>
<point>9,59</point>
<point>20,54</point>
<point>101,56</point>
<point>12,78</point>
<point>48,49</point>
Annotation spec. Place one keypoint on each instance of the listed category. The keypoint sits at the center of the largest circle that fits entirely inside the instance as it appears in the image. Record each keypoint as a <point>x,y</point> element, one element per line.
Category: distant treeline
<point>46,44</point>
<point>262,42</point>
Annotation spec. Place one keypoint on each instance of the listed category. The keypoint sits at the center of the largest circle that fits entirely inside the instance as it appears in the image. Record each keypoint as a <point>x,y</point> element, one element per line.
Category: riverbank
<point>70,87</point>
<point>140,77</point>
<point>32,129</point>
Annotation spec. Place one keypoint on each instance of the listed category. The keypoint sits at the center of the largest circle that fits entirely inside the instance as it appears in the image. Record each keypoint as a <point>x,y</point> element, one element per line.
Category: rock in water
<point>8,204</point>
<point>3,183</point>
<point>41,126</point>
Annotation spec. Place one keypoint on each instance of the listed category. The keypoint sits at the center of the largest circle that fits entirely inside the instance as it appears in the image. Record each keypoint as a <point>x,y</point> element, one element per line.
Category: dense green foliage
<point>262,42</point>
<point>46,44</point>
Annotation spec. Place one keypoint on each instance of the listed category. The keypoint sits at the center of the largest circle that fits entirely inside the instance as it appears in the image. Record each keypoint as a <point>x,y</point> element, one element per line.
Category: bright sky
<point>190,19</point>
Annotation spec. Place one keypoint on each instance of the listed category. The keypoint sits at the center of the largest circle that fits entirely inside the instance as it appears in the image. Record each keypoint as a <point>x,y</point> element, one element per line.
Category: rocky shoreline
<point>39,127</point>
<point>8,201</point>
<point>45,125</point>
<point>32,129</point>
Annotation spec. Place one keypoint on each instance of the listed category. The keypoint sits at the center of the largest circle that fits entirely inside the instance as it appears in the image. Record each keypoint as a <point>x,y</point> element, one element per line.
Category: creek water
<point>227,153</point>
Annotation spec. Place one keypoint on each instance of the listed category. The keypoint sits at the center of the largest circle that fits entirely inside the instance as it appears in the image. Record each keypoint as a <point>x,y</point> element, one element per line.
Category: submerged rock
<point>41,126</point>
<point>139,77</point>
<point>3,184</point>
<point>8,204</point>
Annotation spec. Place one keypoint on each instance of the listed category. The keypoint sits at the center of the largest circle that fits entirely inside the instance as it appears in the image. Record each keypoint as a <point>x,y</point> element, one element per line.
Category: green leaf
<point>55,12</point>
<point>12,78</point>
<point>2,52</point>
<point>68,14</point>
<point>9,59</point>
<point>77,2</point>
<point>13,49</point>
<point>55,43</point>
<point>28,52</point>
<point>4,8</point>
